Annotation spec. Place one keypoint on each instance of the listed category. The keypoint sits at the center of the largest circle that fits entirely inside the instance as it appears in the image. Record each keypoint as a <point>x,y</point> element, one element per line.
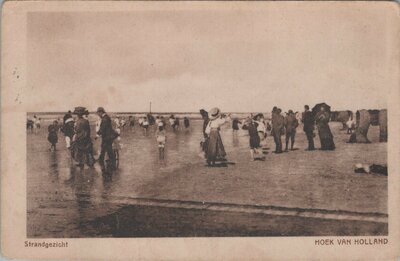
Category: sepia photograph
<point>239,134</point>
<point>201,121</point>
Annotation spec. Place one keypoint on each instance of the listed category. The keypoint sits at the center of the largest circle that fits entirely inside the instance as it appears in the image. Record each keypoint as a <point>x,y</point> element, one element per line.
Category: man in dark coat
<point>82,138</point>
<point>108,135</point>
<point>277,128</point>
<point>308,120</point>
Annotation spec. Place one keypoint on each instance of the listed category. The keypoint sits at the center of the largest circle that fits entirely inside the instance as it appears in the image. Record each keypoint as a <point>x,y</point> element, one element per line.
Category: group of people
<point>33,125</point>
<point>258,127</point>
<point>78,138</point>
<point>77,133</point>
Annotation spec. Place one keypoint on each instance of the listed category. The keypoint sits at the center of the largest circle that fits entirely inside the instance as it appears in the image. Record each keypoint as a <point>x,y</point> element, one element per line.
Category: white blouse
<point>218,122</point>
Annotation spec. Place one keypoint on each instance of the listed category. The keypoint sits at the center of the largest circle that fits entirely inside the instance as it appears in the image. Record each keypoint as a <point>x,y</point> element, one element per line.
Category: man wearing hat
<point>290,123</point>
<point>308,120</point>
<point>108,135</point>
<point>277,128</point>
<point>82,137</point>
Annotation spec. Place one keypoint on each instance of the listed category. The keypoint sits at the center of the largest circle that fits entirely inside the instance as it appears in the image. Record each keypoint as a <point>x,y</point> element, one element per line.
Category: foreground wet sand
<point>64,201</point>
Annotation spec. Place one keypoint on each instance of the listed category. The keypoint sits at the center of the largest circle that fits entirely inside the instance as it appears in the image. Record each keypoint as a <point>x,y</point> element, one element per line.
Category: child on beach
<point>161,139</point>
<point>255,148</point>
<point>145,125</point>
<point>52,136</point>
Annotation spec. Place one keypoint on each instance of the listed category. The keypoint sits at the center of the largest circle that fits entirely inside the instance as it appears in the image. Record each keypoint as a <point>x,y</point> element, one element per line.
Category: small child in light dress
<point>161,139</point>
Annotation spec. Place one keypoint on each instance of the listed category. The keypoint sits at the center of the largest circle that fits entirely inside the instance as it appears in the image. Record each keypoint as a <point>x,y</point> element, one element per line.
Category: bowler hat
<point>100,110</point>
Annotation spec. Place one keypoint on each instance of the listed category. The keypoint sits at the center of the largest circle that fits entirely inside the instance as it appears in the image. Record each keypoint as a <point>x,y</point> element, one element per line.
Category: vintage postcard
<point>200,130</point>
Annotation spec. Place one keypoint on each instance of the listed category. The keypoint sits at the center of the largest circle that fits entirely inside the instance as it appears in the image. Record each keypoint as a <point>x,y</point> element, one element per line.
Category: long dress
<point>215,149</point>
<point>83,142</point>
<point>52,137</point>
<point>324,132</point>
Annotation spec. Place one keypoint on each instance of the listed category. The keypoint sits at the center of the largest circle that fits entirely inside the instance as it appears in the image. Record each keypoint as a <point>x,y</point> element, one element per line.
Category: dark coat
<point>291,123</point>
<point>82,134</point>
<point>308,120</point>
<point>205,123</point>
<point>106,130</point>
<point>68,129</point>
<point>52,137</point>
<point>277,124</point>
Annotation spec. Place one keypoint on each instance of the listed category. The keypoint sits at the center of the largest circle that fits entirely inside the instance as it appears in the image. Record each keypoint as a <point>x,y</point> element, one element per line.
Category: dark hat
<point>204,113</point>
<point>100,110</point>
<point>290,112</point>
<point>80,110</point>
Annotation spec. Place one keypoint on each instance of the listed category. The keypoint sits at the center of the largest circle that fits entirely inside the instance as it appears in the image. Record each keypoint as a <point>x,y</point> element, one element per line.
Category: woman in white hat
<point>215,149</point>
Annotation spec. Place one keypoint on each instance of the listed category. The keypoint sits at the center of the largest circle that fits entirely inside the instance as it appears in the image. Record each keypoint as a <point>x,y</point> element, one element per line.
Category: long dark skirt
<point>326,137</point>
<point>215,150</point>
<point>255,142</point>
<point>52,138</point>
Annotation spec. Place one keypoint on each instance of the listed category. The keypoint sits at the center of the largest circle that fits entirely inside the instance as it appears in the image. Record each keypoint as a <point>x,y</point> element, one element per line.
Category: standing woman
<point>82,138</point>
<point>324,132</point>
<point>215,150</point>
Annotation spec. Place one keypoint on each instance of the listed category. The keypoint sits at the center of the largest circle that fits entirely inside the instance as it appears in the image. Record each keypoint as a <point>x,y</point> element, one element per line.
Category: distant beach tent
<point>363,120</point>
<point>383,131</point>
<point>374,114</point>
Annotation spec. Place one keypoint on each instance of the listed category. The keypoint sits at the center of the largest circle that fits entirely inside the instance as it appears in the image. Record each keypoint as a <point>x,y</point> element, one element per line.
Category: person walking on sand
<point>145,125</point>
<point>68,129</point>
<point>172,121</point>
<point>186,122</point>
<point>53,136</point>
<point>67,116</point>
<point>308,121</point>
<point>235,125</point>
<point>177,123</point>
<point>82,138</point>
<point>324,132</point>
<point>107,134</point>
<point>161,139</point>
<point>215,150</point>
<point>204,142</point>
<point>255,147</point>
<point>131,122</point>
<point>36,124</point>
<point>277,128</point>
<point>90,159</point>
<point>290,123</point>
<point>261,129</point>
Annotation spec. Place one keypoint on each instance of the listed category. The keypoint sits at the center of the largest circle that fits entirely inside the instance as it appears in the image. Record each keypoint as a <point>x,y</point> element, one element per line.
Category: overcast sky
<point>236,59</point>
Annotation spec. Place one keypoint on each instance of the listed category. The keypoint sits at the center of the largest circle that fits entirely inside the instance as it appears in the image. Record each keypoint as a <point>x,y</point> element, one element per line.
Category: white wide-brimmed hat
<point>214,113</point>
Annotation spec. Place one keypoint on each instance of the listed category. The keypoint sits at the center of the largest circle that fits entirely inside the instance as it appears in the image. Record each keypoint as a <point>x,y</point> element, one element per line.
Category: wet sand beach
<point>64,201</point>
